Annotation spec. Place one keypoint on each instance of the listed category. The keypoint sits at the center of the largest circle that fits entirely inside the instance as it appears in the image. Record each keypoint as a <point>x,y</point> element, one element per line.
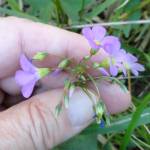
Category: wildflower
<point>111,46</point>
<point>28,76</point>
<point>94,36</point>
<point>102,123</point>
<point>129,63</point>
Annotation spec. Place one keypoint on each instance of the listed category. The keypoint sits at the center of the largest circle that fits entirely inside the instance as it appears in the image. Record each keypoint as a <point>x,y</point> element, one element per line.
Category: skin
<point>31,124</point>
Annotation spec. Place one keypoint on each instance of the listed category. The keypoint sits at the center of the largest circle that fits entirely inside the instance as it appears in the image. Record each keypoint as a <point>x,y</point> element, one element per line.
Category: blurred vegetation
<point>131,128</point>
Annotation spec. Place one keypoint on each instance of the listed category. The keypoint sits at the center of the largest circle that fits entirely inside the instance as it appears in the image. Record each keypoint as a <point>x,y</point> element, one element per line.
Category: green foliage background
<point>128,130</point>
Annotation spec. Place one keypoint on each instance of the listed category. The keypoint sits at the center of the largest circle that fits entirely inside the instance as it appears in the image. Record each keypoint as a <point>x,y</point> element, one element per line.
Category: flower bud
<point>104,63</point>
<point>64,63</point>
<point>96,65</point>
<point>40,56</point>
<point>42,72</point>
<point>99,111</point>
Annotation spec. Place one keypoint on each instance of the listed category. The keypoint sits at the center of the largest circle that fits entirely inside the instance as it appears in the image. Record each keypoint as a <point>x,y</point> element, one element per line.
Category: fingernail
<point>80,110</point>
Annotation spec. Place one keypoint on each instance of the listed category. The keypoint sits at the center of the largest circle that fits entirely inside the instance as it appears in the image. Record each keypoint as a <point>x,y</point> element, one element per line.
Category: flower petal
<point>113,70</point>
<point>138,67</point>
<point>26,65</point>
<point>131,58</point>
<point>104,71</point>
<point>98,32</point>
<point>135,72</point>
<point>124,71</point>
<point>23,78</point>
<point>88,34</point>
<point>28,88</point>
<point>111,44</point>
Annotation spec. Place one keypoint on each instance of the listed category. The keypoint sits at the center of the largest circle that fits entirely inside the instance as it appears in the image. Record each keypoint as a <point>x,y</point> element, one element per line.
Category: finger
<point>30,37</point>
<point>10,86</point>
<point>34,120</point>
<point>1,97</point>
<point>115,98</point>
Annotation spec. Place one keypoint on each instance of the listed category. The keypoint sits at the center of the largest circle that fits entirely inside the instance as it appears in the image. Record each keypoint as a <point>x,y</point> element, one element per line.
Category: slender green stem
<point>129,81</point>
<point>97,90</point>
<point>137,144</point>
<point>141,142</point>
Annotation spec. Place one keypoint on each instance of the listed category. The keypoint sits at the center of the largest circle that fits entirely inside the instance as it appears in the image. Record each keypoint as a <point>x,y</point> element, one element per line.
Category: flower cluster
<point>117,62</point>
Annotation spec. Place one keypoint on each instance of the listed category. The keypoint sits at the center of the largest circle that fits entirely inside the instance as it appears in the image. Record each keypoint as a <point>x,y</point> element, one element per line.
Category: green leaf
<point>120,124</point>
<point>134,16</point>
<point>135,119</point>
<point>41,8</point>
<point>13,4</point>
<point>18,14</point>
<point>80,142</point>
<point>100,8</point>
<point>72,8</point>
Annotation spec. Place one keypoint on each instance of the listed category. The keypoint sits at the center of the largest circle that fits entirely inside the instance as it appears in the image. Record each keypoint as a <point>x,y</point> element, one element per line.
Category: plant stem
<point>129,81</point>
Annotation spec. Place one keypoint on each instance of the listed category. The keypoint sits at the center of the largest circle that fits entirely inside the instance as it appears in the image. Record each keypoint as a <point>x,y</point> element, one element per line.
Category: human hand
<point>31,124</point>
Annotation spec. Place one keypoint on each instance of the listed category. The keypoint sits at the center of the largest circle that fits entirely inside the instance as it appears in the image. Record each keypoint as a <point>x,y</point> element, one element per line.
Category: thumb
<point>32,124</point>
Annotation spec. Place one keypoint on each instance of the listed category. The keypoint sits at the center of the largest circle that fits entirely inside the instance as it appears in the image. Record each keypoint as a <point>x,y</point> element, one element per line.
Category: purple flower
<point>27,77</point>
<point>111,45</point>
<point>129,62</point>
<point>102,123</point>
<point>94,36</point>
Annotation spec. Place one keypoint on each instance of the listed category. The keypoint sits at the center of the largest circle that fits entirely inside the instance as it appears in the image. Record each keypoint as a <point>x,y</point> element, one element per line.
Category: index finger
<point>20,35</point>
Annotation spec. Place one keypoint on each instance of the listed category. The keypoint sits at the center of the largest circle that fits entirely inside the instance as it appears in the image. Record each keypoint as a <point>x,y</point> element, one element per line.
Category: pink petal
<point>99,32</point>
<point>23,78</point>
<point>26,65</point>
<point>28,88</point>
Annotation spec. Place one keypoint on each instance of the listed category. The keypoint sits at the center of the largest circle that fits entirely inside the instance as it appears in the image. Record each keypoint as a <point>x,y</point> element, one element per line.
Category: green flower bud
<point>64,63</point>
<point>104,63</point>
<point>96,65</point>
<point>87,57</point>
<point>93,51</point>
<point>99,110</point>
<point>40,56</point>
<point>67,84</point>
<point>42,72</point>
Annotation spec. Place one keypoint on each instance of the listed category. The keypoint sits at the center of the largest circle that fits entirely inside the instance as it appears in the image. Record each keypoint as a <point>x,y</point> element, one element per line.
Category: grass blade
<point>120,124</point>
<point>100,8</point>
<point>134,121</point>
<point>18,14</point>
